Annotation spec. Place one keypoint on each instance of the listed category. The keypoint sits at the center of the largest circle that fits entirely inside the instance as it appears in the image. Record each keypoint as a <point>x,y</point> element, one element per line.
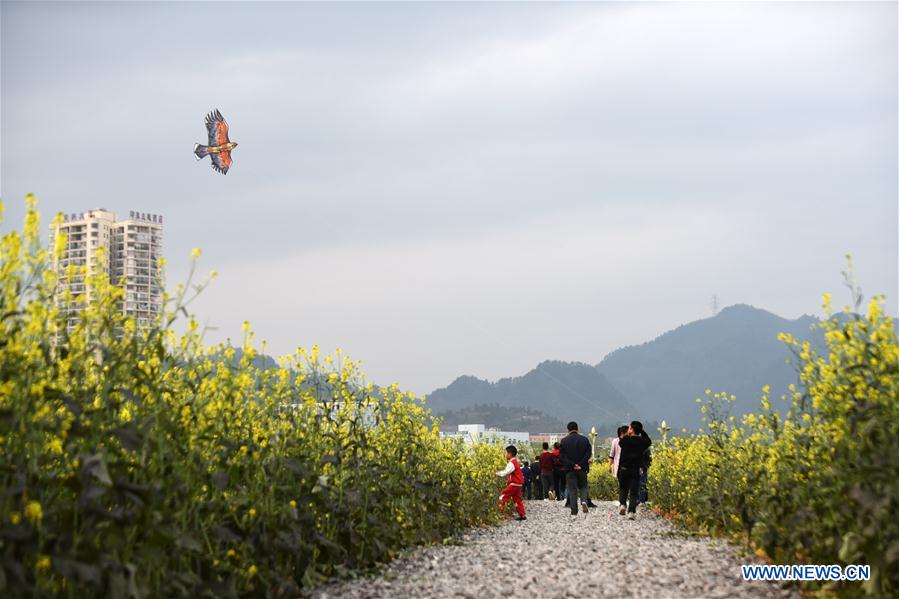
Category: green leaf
<point>849,547</point>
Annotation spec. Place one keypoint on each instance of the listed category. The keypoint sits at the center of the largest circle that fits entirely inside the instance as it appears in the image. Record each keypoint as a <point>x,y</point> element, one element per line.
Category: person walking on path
<point>615,451</point>
<point>528,479</point>
<point>558,472</point>
<point>575,451</point>
<point>644,476</point>
<point>546,471</point>
<point>633,445</point>
<point>516,480</point>
<point>590,503</point>
<point>535,478</point>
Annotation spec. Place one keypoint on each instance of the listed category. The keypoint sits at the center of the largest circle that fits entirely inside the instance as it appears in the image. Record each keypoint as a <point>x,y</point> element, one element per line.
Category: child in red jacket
<point>516,480</point>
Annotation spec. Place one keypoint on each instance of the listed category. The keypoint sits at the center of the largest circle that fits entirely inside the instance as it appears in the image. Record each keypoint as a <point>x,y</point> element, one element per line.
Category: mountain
<point>735,351</point>
<point>564,390</point>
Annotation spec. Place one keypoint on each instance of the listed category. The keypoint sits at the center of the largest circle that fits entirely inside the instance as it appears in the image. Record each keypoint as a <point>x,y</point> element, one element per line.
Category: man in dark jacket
<point>575,452</point>
<point>633,446</point>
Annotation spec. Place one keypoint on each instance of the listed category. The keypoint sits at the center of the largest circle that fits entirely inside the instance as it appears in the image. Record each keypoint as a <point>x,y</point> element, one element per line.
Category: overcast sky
<point>446,189</point>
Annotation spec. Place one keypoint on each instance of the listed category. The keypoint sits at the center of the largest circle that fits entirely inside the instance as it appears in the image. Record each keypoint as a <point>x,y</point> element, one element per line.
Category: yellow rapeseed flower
<point>42,564</point>
<point>33,512</point>
<point>54,446</point>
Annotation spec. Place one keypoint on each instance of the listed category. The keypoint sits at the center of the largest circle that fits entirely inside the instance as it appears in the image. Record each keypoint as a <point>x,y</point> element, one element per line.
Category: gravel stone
<point>554,554</point>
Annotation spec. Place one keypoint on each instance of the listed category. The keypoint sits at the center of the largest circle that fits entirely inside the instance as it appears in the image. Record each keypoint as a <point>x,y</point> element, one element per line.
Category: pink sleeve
<point>615,454</point>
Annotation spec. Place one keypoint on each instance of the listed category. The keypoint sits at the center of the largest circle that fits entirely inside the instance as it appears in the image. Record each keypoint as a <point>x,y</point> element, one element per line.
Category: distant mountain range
<point>564,390</point>
<point>736,351</point>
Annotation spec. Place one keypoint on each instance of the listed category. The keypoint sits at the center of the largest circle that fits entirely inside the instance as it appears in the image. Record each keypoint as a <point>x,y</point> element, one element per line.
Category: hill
<point>735,351</point>
<point>564,390</point>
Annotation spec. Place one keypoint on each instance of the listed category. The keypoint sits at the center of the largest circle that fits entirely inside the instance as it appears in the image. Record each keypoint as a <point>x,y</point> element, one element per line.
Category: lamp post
<point>664,429</point>
<point>593,442</point>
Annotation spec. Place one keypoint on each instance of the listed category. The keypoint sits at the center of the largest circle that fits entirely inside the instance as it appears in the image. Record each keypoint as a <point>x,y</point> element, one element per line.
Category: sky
<point>445,189</point>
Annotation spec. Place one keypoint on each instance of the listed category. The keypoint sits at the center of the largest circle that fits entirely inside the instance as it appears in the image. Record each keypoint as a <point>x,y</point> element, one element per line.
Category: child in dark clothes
<point>536,483</point>
<point>528,479</point>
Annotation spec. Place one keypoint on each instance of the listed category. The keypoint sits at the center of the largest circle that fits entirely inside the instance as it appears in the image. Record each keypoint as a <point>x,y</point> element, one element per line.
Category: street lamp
<point>664,429</point>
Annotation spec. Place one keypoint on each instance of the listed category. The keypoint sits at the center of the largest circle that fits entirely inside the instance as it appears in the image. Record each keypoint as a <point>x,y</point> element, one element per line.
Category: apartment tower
<point>132,248</point>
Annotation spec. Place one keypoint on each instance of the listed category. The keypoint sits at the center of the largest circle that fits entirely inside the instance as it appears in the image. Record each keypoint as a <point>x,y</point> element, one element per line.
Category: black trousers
<point>644,482</point>
<point>546,481</point>
<point>577,484</point>
<point>629,487</point>
<point>558,481</point>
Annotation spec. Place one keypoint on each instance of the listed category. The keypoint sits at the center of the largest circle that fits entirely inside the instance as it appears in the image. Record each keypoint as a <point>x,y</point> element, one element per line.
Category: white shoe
<point>631,516</point>
<point>621,510</point>
<point>552,495</point>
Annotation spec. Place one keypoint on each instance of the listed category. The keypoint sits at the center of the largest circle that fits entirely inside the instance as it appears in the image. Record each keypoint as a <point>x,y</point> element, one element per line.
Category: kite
<point>219,148</point>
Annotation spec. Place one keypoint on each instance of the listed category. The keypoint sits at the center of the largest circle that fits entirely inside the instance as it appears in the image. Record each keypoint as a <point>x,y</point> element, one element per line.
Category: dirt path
<point>554,554</point>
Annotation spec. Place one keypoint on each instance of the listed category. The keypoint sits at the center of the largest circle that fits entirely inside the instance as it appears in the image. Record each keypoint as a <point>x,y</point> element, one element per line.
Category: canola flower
<point>812,479</point>
<point>139,457</point>
<point>33,512</point>
<point>42,564</point>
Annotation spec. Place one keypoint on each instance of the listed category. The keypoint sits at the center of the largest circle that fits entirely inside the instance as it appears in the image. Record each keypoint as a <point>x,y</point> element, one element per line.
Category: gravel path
<point>554,554</point>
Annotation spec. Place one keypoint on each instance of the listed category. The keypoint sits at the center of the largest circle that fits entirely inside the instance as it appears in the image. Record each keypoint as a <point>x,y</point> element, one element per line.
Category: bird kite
<point>219,148</point>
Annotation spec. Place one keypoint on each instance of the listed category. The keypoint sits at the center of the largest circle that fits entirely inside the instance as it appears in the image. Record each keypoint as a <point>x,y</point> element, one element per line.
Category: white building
<point>472,429</point>
<point>132,246</point>
<point>546,438</point>
<point>479,432</point>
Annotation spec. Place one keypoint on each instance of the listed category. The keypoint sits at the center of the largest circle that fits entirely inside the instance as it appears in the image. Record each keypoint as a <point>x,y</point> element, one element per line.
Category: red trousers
<point>512,492</point>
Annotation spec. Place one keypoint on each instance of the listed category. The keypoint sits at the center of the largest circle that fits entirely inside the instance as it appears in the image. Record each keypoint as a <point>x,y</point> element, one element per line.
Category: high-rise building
<point>132,248</point>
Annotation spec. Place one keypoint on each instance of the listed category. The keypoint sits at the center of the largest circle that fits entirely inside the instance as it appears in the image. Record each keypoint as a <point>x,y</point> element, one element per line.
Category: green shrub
<point>603,486</point>
<point>818,483</point>
<point>138,462</point>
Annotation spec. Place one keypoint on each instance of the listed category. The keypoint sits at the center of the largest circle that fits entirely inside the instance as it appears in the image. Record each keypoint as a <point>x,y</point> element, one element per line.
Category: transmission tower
<point>714,304</point>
